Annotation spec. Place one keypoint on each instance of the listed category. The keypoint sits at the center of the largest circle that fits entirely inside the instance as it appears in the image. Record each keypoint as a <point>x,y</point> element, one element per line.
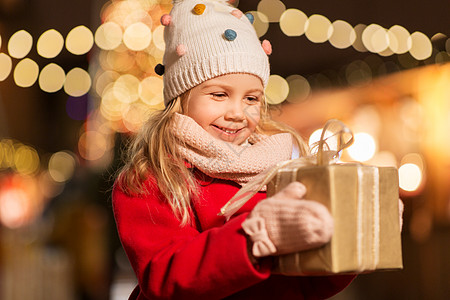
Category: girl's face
<point>228,107</point>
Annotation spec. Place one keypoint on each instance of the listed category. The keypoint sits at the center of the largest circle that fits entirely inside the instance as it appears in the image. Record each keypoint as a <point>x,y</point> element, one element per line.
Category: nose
<point>235,110</point>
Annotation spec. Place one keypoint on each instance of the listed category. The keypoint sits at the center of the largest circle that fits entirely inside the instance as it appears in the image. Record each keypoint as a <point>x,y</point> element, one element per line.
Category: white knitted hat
<point>205,39</point>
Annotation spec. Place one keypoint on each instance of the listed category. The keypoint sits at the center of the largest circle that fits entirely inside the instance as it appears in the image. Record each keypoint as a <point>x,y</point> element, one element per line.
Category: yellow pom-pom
<point>199,9</point>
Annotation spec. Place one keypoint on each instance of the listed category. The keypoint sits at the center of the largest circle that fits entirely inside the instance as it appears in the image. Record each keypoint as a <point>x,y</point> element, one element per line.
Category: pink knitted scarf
<point>219,159</point>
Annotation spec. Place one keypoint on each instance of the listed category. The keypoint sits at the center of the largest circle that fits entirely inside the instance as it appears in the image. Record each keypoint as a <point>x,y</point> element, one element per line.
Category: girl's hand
<point>286,223</point>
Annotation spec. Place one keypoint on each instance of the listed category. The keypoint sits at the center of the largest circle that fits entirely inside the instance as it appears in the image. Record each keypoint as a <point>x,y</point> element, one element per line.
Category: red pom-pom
<point>267,47</point>
<point>165,19</point>
<point>237,13</point>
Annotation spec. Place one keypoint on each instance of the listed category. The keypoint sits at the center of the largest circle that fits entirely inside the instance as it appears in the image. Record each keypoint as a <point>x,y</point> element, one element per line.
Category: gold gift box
<point>363,201</point>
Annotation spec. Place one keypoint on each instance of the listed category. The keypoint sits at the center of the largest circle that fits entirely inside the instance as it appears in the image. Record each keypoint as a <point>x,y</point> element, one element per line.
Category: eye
<point>252,99</point>
<point>218,95</point>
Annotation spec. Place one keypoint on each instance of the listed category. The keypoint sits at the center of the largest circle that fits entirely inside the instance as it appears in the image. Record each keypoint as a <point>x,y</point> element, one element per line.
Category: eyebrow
<point>227,86</point>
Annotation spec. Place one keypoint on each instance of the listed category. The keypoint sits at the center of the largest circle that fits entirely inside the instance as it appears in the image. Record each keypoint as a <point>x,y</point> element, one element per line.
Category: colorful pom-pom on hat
<point>206,39</point>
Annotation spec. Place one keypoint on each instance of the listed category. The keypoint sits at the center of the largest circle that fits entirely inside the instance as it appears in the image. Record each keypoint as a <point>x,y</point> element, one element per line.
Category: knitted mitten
<point>285,223</point>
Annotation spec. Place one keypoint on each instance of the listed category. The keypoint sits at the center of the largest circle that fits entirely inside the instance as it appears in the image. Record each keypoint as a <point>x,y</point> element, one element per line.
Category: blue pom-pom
<point>230,34</point>
<point>250,17</point>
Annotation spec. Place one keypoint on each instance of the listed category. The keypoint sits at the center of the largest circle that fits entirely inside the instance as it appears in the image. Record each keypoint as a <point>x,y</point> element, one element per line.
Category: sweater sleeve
<point>179,262</point>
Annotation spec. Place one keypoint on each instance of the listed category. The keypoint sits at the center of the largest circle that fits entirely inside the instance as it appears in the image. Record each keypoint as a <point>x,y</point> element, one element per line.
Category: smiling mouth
<point>226,130</point>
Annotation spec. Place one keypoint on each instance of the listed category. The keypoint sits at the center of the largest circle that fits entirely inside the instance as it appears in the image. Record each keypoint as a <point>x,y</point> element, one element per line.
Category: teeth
<point>229,131</point>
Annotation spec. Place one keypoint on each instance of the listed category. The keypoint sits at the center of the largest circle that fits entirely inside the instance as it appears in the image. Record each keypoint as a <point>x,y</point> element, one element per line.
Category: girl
<point>214,135</point>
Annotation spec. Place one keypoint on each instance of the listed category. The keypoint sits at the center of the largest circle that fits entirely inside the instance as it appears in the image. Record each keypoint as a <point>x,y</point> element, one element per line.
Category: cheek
<point>253,114</point>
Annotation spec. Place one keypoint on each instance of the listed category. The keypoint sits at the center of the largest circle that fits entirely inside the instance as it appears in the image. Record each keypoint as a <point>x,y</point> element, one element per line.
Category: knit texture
<point>198,49</point>
<point>292,223</point>
<point>220,159</point>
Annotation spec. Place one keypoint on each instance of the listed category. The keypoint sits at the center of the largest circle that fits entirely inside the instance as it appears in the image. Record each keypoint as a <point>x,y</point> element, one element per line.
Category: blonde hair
<point>153,152</point>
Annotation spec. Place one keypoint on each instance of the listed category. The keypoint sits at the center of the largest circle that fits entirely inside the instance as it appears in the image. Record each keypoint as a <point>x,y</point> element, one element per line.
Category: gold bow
<point>334,132</point>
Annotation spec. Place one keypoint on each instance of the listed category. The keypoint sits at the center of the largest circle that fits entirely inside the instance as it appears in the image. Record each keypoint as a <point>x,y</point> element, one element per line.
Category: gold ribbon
<point>322,154</point>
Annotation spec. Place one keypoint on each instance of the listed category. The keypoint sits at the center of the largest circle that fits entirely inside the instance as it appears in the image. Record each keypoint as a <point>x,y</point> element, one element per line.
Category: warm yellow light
<point>50,44</point>
<point>52,78</point>
<point>119,61</point>
<point>26,73</point>
<point>137,36</point>
<point>151,90</point>
<point>403,39</point>
<point>80,40</point>
<point>6,153</point>
<point>135,116</point>
<point>343,35</point>
<point>318,29</point>
<point>261,23</point>
<point>61,166</point>
<point>111,108</point>
<point>331,142</point>
<point>363,148</point>
<point>126,88</point>
<point>292,22</point>
<point>105,79</point>
<point>410,177</point>
<point>20,44</point>
<point>26,160</point>
<point>375,38</point>
<point>272,9</point>
<point>277,89</point>
<point>92,145</point>
<point>158,38</point>
<point>108,36</point>
<point>299,88</point>
<point>14,207</point>
<point>78,82</point>
<point>5,66</point>
<point>421,47</point>
<point>413,158</point>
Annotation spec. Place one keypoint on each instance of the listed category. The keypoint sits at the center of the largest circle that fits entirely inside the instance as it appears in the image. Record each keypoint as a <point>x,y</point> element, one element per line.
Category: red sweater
<point>207,260</point>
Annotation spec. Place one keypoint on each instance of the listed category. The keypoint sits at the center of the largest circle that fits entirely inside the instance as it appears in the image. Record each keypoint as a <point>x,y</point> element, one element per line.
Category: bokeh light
<point>421,47</point>
<point>135,116</point>
<point>137,36</point>
<point>403,39</point>
<point>61,166</point>
<point>50,44</point>
<point>151,90</point>
<point>363,148</point>
<point>13,207</point>
<point>79,40</point>
<point>261,22</point>
<point>92,145</point>
<point>277,89</point>
<point>410,177</point>
<point>272,9</point>
<point>20,44</point>
<point>158,38</point>
<point>51,78</point>
<point>5,66</point>
<point>108,36</point>
<point>78,82</point>
<point>26,160</point>
<point>375,38</point>
<point>126,88</point>
<point>299,88</point>
<point>343,35</point>
<point>318,29</point>
<point>292,22</point>
<point>26,73</point>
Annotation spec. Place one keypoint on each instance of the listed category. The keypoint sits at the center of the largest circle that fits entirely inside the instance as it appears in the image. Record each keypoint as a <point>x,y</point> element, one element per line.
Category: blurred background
<point>77,80</point>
